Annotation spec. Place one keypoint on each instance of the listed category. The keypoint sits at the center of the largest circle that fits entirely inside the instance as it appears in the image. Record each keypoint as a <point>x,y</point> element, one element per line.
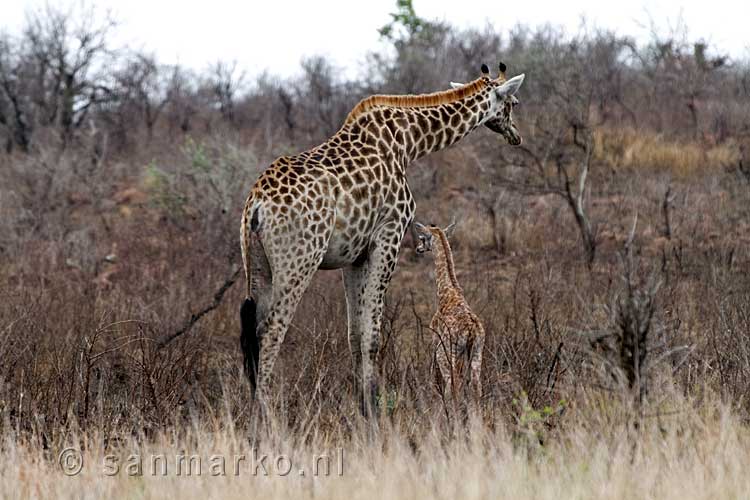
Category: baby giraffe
<point>458,335</point>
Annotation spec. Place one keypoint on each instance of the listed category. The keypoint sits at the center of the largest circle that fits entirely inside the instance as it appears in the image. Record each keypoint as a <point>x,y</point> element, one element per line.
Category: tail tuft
<point>249,339</point>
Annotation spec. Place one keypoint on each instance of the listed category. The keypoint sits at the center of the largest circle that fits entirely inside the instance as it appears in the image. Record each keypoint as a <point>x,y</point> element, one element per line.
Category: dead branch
<point>218,297</point>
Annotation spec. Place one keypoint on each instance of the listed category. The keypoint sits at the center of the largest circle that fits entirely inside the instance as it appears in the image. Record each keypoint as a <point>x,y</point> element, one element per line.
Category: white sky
<point>274,35</point>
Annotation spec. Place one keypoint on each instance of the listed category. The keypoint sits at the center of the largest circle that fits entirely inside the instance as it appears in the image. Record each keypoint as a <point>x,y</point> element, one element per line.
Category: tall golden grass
<point>639,149</point>
<point>689,452</point>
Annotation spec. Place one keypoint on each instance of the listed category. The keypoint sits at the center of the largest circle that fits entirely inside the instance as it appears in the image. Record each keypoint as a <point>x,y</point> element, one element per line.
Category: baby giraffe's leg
<point>446,363</point>
<point>476,367</point>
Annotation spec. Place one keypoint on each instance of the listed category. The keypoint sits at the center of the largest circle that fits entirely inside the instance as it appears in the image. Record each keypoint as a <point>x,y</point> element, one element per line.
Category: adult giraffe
<point>346,204</point>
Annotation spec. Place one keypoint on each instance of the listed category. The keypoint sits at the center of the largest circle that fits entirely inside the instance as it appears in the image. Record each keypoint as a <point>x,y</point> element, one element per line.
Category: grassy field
<point>688,454</point>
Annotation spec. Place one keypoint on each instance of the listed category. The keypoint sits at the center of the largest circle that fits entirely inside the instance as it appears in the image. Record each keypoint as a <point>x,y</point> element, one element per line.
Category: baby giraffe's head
<point>427,234</point>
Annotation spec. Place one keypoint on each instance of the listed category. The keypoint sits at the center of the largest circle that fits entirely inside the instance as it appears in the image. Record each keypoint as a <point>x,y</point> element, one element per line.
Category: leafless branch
<point>217,299</point>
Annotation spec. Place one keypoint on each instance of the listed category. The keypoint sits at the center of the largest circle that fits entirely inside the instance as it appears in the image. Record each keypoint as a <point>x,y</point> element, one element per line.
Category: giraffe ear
<point>511,86</point>
<point>455,85</point>
<point>451,228</point>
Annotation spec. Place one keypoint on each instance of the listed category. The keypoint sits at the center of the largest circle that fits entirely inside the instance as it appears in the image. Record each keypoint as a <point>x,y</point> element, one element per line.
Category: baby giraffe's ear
<point>451,227</point>
<point>455,85</point>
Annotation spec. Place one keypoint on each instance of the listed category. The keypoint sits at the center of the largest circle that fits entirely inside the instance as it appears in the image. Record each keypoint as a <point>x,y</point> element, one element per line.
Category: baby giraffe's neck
<point>445,272</point>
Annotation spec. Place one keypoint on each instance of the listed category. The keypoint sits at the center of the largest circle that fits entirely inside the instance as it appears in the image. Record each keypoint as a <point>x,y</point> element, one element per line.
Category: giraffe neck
<point>433,129</point>
<point>445,271</point>
<point>405,128</point>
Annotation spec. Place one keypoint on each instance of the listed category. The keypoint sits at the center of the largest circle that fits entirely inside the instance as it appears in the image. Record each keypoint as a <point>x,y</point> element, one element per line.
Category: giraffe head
<point>499,116</point>
<point>426,235</point>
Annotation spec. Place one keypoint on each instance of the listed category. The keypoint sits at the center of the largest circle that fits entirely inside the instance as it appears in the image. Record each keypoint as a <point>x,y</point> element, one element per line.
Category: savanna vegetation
<point>607,258</point>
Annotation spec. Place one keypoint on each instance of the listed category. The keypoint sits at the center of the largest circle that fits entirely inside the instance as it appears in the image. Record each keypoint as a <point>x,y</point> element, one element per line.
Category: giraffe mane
<point>416,101</point>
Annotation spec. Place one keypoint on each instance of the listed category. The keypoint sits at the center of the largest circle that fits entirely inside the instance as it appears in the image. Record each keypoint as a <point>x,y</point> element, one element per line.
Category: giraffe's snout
<point>517,140</point>
<point>513,136</point>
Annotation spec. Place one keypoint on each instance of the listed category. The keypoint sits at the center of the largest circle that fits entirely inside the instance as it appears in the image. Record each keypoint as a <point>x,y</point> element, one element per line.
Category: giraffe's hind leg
<point>445,369</point>
<point>289,284</point>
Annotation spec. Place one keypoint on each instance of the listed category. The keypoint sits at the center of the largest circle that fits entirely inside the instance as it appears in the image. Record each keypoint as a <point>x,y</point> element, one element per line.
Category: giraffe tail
<point>248,311</point>
<point>249,339</point>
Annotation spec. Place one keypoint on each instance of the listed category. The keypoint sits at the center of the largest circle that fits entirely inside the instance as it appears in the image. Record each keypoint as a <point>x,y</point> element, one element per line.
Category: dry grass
<point>691,453</point>
<point>629,148</point>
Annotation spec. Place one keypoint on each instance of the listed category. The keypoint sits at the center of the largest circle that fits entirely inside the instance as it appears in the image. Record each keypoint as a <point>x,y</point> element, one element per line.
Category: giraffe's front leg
<point>354,286</point>
<point>381,262</point>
